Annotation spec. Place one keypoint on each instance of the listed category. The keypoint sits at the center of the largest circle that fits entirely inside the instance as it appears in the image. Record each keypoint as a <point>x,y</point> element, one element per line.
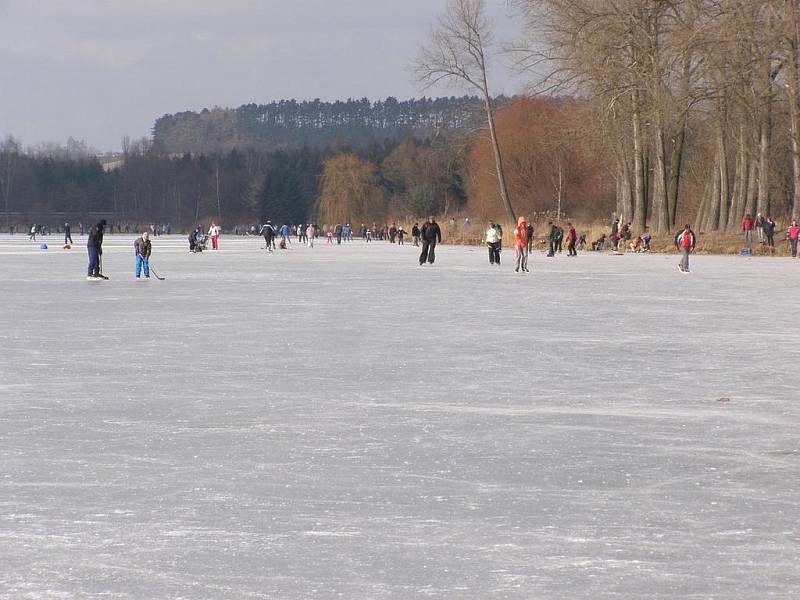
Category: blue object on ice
<point>745,252</point>
<point>43,246</point>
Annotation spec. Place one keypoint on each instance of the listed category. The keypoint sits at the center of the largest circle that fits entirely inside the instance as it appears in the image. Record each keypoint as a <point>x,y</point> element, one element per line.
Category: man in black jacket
<point>94,247</point>
<point>430,235</point>
<point>143,248</point>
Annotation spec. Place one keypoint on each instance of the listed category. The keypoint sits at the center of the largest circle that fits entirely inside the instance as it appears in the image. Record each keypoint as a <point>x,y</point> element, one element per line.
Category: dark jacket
<point>96,236</point>
<point>415,231</point>
<point>554,233</point>
<point>431,232</point>
<point>143,248</point>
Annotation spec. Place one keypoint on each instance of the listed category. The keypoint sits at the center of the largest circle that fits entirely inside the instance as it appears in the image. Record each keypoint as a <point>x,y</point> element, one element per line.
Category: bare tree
<point>458,51</point>
<point>10,150</point>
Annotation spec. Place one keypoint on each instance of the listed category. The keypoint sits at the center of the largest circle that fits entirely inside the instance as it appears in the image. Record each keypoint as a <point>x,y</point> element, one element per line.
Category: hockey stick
<point>152,270</point>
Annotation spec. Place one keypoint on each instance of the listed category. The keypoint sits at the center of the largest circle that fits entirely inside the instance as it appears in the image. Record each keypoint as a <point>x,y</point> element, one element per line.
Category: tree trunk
<point>793,79</point>
<point>763,205</point>
<point>676,157</point>
<point>724,195</point>
<point>739,198</point>
<point>640,206</point>
<point>712,214</point>
<point>498,159</point>
<point>752,184</point>
<point>660,202</point>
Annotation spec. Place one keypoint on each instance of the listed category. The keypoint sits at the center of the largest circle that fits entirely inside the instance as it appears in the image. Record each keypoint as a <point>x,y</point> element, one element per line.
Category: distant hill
<point>289,124</point>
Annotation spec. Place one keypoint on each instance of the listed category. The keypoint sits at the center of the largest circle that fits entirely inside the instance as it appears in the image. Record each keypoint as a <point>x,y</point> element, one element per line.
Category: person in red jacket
<point>794,234</point>
<point>685,243</point>
<point>747,227</point>
<point>572,237</point>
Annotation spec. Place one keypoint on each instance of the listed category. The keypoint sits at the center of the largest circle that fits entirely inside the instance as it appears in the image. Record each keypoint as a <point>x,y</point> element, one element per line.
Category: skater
<point>759,223</point>
<point>33,231</point>
<point>67,234</point>
<point>793,233</point>
<point>431,234</point>
<point>572,238</point>
<point>143,248</point>
<point>213,233</point>
<point>747,227</point>
<point>685,243</point>
<point>521,245</point>
<point>284,236</point>
<point>94,247</point>
<point>582,242</point>
<point>415,233</point>
<point>492,239</point>
<point>311,233</point>
<point>552,238</point>
<point>337,231</point>
<point>401,235</point>
<point>268,231</point>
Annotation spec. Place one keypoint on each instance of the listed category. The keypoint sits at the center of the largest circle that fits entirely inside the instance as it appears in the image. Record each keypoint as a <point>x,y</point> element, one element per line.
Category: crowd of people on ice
<point>620,239</point>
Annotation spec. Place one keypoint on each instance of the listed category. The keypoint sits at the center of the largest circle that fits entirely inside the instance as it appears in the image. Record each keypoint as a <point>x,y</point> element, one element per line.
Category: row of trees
<point>289,124</point>
<point>696,100</point>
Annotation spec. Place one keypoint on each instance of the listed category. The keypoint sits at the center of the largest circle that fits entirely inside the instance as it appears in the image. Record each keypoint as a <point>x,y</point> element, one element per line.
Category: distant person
<point>415,233</point>
<point>67,234</point>
<point>500,235</point>
<point>268,231</point>
<point>492,240</point>
<point>143,247</point>
<point>311,233</point>
<point>768,226</point>
<point>599,243</point>
<point>401,235</point>
<point>793,233</point>
<point>645,238</point>
<point>33,231</point>
<point>685,243</point>
<point>337,232</point>
<point>747,228</point>
<point>213,233</point>
<point>572,239</point>
<point>431,234</point>
<point>552,238</point>
<point>582,242</point>
<point>284,231</point>
<point>531,233</point>
<point>614,237</point>
<point>94,247</point>
<point>521,245</point>
<point>759,226</point>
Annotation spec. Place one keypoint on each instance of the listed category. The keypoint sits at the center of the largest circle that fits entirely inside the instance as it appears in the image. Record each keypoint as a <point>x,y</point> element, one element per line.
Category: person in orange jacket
<point>521,245</point>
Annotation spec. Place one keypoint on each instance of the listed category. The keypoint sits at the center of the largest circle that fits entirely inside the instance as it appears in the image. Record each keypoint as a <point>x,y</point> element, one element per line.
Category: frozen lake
<point>342,423</point>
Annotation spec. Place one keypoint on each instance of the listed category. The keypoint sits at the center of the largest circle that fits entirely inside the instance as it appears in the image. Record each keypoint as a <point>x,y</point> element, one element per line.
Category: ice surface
<point>342,423</point>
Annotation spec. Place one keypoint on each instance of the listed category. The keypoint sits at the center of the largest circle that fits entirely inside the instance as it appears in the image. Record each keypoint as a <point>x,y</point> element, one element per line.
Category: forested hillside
<point>288,124</point>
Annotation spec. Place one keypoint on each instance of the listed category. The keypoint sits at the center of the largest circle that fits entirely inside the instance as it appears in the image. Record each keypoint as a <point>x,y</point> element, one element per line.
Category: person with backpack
<point>430,233</point>
<point>492,239</point>
<point>685,243</point>
<point>521,245</point>
<point>793,234</point>
<point>143,247</point>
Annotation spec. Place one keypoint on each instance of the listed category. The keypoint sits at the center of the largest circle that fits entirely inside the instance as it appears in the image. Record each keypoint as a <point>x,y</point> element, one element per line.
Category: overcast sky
<point>102,69</point>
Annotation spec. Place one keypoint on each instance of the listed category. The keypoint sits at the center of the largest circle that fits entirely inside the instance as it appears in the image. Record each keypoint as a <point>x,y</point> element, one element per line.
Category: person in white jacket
<point>492,238</point>
<point>310,233</point>
<point>213,233</point>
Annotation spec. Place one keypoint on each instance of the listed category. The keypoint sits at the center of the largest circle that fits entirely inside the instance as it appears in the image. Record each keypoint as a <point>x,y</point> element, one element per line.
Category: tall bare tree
<point>458,51</point>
